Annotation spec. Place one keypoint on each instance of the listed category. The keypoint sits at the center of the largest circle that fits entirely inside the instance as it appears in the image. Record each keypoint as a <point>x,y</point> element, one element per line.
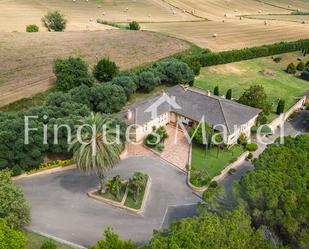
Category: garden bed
<point>126,198</point>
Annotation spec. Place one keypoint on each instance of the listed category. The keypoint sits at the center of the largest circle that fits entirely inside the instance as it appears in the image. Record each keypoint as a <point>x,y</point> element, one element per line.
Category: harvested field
<point>232,34</point>
<point>80,12</point>
<point>280,17</point>
<point>26,58</point>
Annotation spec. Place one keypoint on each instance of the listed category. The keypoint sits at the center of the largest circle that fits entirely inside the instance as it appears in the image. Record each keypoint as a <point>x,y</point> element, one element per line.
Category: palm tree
<point>137,182</point>
<point>95,148</point>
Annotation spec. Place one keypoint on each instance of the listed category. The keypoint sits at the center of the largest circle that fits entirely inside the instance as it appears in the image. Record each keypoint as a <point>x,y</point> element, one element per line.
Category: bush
<point>216,91</point>
<point>54,21</point>
<point>9,238</point>
<point>13,206</point>
<point>48,244</point>
<point>160,147</point>
<point>305,74</point>
<point>300,66</point>
<point>280,107</point>
<point>250,156</point>
<point>307,64</point>
<point>213,184</point>
<point>70,73</point>
<point>251,146</point>
<point>50,165</point>
<point>134,25</point>
<point>228,94</point>
<point>32,28</point>
<point>242,139</point>
<point>16,170</point>
<point>175,72</point>
<point>291,69</point>
<point>196,133</point>
<point>105,70</point>
<point>147,81</point>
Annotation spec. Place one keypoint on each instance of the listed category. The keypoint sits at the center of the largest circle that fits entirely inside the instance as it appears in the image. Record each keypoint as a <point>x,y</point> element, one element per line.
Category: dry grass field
<point>16,14</point>
<point>282,17</point>
<point>26,58</point>
<point>233,34</point>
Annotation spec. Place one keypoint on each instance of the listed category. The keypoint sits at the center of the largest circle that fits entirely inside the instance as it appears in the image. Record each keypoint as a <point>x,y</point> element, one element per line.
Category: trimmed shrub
<point>32,28</point>
<point>54,21</point>
<point>147,81</point>
<point>134,25</point>
<point>251,146</point>
<point>242,139</point>
<point>228,94</point>
<point>216,91</point>
<point>280,107</point>
<point>300,66</point>
<point>48,244</point>
<point>250,156</point>
<point>291,69</point>
<point>105,70</point>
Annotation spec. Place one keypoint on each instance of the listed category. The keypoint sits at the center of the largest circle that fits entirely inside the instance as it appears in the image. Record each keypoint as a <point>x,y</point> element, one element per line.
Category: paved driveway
<point>60,206</point>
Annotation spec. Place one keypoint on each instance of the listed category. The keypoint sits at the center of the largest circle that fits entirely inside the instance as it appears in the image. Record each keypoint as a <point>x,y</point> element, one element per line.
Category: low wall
<point>277,122</point>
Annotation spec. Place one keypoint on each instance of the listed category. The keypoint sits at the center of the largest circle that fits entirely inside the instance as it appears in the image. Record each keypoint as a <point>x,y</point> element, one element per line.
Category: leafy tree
<point>9,238</point>
<point>255,96</point>
<point>228,94</point>
<point>216,91</point>
<point>14,208</point>
<point>214,197</point>
<point>134,25</point>
<point>112,241</point>
<point>197,132</point>
<point>32,28</point>
<point>175,72</point>
<point>97,154</point>
<point>136,183</point>
<point>81,94</point>
<point>147,81</point>
<point>105,70</point>
<point>107,98</point>
<point>70,73</point>
<point>55,21</point>
<point>211,230</point>
<point>127,83</point>
<point>300,66</point>
<point>280,107</point>
<point>291,69</point>
<point>194,64</point>
<point>277,191</point>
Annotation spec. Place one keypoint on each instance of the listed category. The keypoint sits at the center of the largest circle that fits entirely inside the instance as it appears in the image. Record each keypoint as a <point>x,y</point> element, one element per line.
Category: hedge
<point>212,58</point>
<point>251,146</point>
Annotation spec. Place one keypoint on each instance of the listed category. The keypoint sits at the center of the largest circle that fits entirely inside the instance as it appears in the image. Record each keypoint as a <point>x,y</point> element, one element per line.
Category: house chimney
<point>129,114</point>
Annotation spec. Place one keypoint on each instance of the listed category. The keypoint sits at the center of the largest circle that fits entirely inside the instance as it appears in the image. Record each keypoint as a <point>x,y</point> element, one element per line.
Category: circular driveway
<point>61,208</point>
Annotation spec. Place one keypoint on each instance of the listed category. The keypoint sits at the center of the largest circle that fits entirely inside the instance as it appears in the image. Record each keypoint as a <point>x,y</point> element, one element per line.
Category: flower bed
<point>50,165</point>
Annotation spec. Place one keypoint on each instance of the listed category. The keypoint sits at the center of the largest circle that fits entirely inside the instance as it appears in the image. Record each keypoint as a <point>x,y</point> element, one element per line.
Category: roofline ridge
<point>225,120</point>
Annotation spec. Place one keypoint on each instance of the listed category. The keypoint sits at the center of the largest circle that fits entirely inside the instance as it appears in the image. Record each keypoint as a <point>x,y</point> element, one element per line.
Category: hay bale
<point>303,22</point>
<point>225,15</point>
<point>214,35</point>
<point>240,18</point>
<point>265,22</point>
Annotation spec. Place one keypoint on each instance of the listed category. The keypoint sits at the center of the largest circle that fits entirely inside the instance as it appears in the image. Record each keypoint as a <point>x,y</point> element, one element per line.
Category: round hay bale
<point>225,15</point>
<point>265,22</point>
<point>303,22</point>
<point>240,18</point>
<point>214,35</point>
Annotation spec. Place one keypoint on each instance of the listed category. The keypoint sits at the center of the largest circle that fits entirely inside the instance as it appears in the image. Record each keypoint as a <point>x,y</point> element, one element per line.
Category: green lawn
<point>240,75</point>
<point>212,164</point>
<point>35,241</point>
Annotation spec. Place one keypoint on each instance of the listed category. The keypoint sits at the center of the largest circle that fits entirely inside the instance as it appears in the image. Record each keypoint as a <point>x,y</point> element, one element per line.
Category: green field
<point>240,75</point>
<point>212,164</point>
